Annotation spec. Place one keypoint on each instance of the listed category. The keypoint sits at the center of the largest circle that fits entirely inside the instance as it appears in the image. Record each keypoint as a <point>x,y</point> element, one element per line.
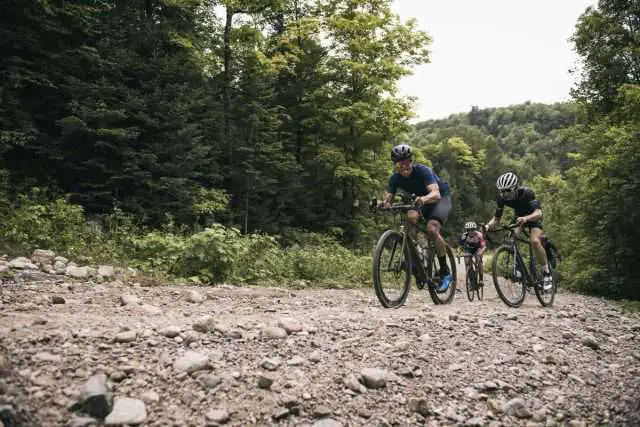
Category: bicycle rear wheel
<point>508,283</point>
<point>434,274</point>
<point>391,264</point>
<point>471,282</point>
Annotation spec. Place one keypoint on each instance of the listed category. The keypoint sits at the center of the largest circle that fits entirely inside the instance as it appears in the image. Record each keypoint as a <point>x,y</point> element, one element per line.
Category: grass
<point>628,306</point>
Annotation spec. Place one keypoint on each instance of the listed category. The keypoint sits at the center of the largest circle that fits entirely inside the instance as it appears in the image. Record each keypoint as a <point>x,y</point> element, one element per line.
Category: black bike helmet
<point>401,152</point>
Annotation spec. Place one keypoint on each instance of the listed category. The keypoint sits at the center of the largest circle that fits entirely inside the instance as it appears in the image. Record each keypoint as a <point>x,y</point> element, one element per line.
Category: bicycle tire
<point>480,288</point>
<point>552,255</point>
<point>377,282</point>
<point>435,297</point>
<point>554,281</point>
<point>504,249</point>
<point>470,282</point>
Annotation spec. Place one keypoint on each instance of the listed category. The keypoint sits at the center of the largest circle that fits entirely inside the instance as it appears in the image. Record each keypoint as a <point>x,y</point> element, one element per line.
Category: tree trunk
<point>148,7</point>
<point>226,94</point>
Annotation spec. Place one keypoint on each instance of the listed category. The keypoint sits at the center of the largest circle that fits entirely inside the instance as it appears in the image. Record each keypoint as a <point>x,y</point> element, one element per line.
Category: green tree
<point>370,50</point>
<point>602,201</point>
<point>607,38</point>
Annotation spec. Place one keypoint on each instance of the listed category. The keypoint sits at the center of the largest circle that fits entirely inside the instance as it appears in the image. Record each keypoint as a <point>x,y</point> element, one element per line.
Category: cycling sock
<point>545,269</point>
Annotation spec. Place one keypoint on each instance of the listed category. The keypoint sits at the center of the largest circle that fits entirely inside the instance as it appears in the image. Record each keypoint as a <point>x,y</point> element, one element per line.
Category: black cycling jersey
<point>524,203</point>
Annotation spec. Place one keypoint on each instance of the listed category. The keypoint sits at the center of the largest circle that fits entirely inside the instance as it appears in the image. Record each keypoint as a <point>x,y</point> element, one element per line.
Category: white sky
<point>491,53</point>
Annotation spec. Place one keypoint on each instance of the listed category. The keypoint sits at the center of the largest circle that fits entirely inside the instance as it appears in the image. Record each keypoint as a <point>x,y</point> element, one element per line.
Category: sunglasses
<point>507,191</point>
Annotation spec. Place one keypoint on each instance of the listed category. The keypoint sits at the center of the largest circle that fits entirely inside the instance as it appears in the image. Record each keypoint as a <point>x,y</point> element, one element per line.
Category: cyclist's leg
<point>465,253</point>
<point>436,216</point>
<point>535,231</point>
<point>541,255</point>
<point>413,216</point>
<point>433,231</point>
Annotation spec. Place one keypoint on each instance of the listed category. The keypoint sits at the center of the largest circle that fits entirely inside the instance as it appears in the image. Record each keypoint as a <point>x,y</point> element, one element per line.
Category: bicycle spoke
<point>391,275</point>
<point>508,279</point>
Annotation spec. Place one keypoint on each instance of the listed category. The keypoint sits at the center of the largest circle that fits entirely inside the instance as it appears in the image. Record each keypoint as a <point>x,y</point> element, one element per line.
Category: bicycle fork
<point>518,273</point>
<point>419,269</point>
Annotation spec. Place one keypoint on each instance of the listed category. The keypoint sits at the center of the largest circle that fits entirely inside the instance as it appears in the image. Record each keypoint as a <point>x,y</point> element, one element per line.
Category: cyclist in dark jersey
<point>432,195</point>
<point>528,214</point>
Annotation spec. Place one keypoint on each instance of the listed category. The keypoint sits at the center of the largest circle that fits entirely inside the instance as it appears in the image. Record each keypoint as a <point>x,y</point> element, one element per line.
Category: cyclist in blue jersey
<point>433,197</point>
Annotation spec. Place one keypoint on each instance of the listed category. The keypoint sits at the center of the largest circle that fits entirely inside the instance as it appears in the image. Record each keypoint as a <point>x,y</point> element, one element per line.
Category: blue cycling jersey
<point>421,177</point>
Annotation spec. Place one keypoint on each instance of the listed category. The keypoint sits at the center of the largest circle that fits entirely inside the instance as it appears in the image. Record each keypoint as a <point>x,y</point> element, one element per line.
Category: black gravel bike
<point>474,285</point>
<point>513,277</point>
<point>397,257</point>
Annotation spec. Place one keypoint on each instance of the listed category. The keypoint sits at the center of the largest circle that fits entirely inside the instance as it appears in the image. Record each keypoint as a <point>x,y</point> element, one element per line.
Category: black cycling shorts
<point>439,211</point>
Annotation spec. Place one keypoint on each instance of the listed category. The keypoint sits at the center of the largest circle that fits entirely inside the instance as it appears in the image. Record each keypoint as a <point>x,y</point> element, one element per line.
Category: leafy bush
<point>33,223</point>
<point>215,254</point>
<point>261,260</point>
<point>331,264</point>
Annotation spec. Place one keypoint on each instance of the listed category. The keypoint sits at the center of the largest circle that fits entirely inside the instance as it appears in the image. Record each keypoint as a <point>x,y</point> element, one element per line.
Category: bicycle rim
<point>479,288</point>
<point>470,284</point>
<point>502,270</point>
<point>546,298</point>
<point>397,267</point>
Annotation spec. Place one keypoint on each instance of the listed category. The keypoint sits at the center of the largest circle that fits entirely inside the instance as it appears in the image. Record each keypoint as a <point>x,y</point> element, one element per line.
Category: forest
<point>242,140</point>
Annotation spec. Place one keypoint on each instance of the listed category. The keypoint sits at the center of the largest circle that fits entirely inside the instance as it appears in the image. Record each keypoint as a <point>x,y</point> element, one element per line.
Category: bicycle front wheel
<point>391,270</point>
<point>507,278</point>
<point>471,283</point>
<point>480,288</point>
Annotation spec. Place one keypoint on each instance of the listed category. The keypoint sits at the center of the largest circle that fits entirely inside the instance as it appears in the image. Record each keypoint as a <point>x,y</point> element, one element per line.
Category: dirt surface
<point>176,356</point>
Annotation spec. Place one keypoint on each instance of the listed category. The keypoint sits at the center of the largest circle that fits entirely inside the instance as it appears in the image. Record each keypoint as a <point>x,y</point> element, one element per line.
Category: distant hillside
<point>472,149</point>
<point>524,131</point>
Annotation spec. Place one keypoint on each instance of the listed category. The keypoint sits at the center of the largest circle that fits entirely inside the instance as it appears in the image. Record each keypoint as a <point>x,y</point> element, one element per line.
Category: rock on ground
<point>311,357</point>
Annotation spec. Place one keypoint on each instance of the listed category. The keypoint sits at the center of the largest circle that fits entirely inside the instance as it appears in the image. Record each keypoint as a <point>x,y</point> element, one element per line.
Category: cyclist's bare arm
<point>497,216</point>
<point>387,199</point>
<point>432,196</point>
<point>533,216</point>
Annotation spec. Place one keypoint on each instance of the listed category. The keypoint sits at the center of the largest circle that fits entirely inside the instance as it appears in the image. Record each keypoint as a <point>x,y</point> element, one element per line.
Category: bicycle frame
<point>473,263</point>
<point>414,258</point>
<point>418,261</point>
<point>530,277</point>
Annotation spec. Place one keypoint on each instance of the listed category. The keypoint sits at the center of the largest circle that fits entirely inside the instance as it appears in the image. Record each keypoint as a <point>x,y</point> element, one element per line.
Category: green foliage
<point>551,191</point>
<point>156,252</point>
<point>629,306</point>
<point>326,261</point>
<point>604,193</point>
<point>213,255</point>
<point>148,125</point>
<point>32,224</point>
<point>471,150</point>
<point>260,260</point>
<point>607,38</point>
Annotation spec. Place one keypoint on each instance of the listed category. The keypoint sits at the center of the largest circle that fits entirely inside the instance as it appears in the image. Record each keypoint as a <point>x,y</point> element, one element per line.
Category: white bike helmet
<point>507,181</point>
<point>470,226</point>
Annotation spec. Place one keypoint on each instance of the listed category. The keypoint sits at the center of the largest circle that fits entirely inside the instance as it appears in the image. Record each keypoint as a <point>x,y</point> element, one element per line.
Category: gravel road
<point>85,354</point>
